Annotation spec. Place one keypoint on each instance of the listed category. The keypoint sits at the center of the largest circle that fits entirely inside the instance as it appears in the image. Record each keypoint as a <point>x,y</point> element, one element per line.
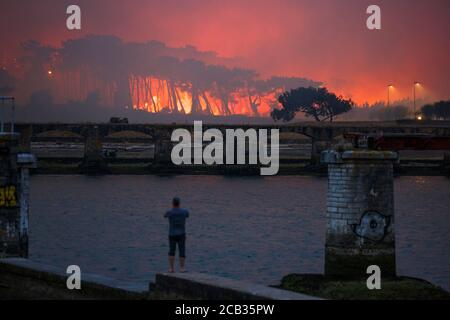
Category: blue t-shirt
<point>177,220</point>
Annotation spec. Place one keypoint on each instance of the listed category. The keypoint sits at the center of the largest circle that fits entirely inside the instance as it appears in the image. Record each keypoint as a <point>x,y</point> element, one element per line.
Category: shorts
<point>181,242</point>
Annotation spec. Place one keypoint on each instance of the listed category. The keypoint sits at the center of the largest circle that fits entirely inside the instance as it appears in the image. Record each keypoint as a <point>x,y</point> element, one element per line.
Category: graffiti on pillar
<point>8,196</point>
<point>372,226</point>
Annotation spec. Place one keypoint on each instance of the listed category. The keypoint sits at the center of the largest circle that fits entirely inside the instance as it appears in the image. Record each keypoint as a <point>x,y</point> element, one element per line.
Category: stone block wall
<point>11,243</point>
<point>360,213</point>
<point>14,187</point>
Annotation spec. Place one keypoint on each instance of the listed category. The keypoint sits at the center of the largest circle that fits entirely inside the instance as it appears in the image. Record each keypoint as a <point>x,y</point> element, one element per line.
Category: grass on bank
<point>400,288</point>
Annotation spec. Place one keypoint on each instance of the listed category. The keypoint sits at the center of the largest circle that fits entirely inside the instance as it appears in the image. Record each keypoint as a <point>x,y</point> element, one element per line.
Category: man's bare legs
<point>171,264</point>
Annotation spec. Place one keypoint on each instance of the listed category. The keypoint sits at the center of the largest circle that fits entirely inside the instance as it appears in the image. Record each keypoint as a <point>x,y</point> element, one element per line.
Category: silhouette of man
<point>177,233</point>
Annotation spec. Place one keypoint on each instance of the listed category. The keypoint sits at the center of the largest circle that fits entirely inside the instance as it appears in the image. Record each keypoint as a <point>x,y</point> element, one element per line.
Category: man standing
<point>177,233</point>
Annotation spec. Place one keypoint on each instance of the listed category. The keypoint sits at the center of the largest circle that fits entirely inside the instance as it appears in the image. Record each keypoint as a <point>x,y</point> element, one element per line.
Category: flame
<point>157,95</point>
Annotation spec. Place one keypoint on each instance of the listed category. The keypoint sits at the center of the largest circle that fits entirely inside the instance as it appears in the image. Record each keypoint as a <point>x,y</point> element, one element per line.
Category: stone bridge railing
<point>314,130</point>
<point>321,134</point>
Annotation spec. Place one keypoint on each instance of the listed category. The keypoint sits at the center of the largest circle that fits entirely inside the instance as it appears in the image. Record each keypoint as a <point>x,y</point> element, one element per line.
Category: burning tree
<point>152,77</point>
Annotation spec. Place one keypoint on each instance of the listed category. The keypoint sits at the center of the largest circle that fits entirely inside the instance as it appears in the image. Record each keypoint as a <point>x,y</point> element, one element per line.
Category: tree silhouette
<point>438,110</point>
<point>314,102</point>
<point>385,113</point>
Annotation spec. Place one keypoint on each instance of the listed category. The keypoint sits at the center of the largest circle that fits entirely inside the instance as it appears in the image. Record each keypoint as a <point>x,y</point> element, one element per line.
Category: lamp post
<point>388,94</point>
<point>416,84</point>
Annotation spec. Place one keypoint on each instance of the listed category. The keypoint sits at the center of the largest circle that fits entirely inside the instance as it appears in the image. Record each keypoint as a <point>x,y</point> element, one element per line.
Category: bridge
<point>315,130</point>
<point>93,135</point>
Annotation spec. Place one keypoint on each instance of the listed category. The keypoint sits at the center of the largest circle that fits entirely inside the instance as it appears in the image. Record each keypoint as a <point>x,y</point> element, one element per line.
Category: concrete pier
<point>360,213</point>
<point>163,151</point>
<point>211,287</point>
<point>14,197</point>
<point>445,167</point>
<point>25,279</point>
<point>94,161</point>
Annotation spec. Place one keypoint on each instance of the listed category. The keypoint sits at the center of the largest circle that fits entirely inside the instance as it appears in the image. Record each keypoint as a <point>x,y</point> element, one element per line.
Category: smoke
<point>147,76</point>
<point>7,83</point>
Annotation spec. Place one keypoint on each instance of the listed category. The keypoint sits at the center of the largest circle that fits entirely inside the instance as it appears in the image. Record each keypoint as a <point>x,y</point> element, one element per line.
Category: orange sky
<point>326,40</point>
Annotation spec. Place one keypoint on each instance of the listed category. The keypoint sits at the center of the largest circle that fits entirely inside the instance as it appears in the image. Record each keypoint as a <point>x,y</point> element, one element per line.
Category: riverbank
<point>302,168</point>
<point>400,288</point>
<point>23,279</point>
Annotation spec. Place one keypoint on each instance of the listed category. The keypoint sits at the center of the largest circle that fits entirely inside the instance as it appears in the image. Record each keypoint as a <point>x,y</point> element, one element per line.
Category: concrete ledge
<point>330,156</point>
<point>369,155</point>
<point>210,287</point>
<point>25,279</point>
<point>336,157</point>
<point>39,281</point>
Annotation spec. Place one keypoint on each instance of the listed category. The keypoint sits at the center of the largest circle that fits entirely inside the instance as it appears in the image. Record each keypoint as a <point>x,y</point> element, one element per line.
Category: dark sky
<point>326,40</point>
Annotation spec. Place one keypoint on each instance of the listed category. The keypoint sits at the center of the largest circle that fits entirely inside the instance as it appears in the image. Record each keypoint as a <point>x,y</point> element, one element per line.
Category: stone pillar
<point>14,197</point>
<point>163,152</point>
<point>445,166</point>
<point>317,147</point>
<point>25,162</point>
<point>360,213</point>
<point>94,161</point>
<point>26,135</point>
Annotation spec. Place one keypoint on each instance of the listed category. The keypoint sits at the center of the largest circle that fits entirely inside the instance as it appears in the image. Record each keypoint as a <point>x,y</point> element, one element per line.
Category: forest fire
<point>104,70</point>
<point>156,95</point>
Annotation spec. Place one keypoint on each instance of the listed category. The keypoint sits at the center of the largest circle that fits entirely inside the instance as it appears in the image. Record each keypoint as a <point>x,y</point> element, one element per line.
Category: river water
<point>254,228</point>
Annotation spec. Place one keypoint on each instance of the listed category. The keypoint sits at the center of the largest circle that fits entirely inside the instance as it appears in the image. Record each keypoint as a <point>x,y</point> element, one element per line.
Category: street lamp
<point>388,96</point>
<point>416,84</point>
